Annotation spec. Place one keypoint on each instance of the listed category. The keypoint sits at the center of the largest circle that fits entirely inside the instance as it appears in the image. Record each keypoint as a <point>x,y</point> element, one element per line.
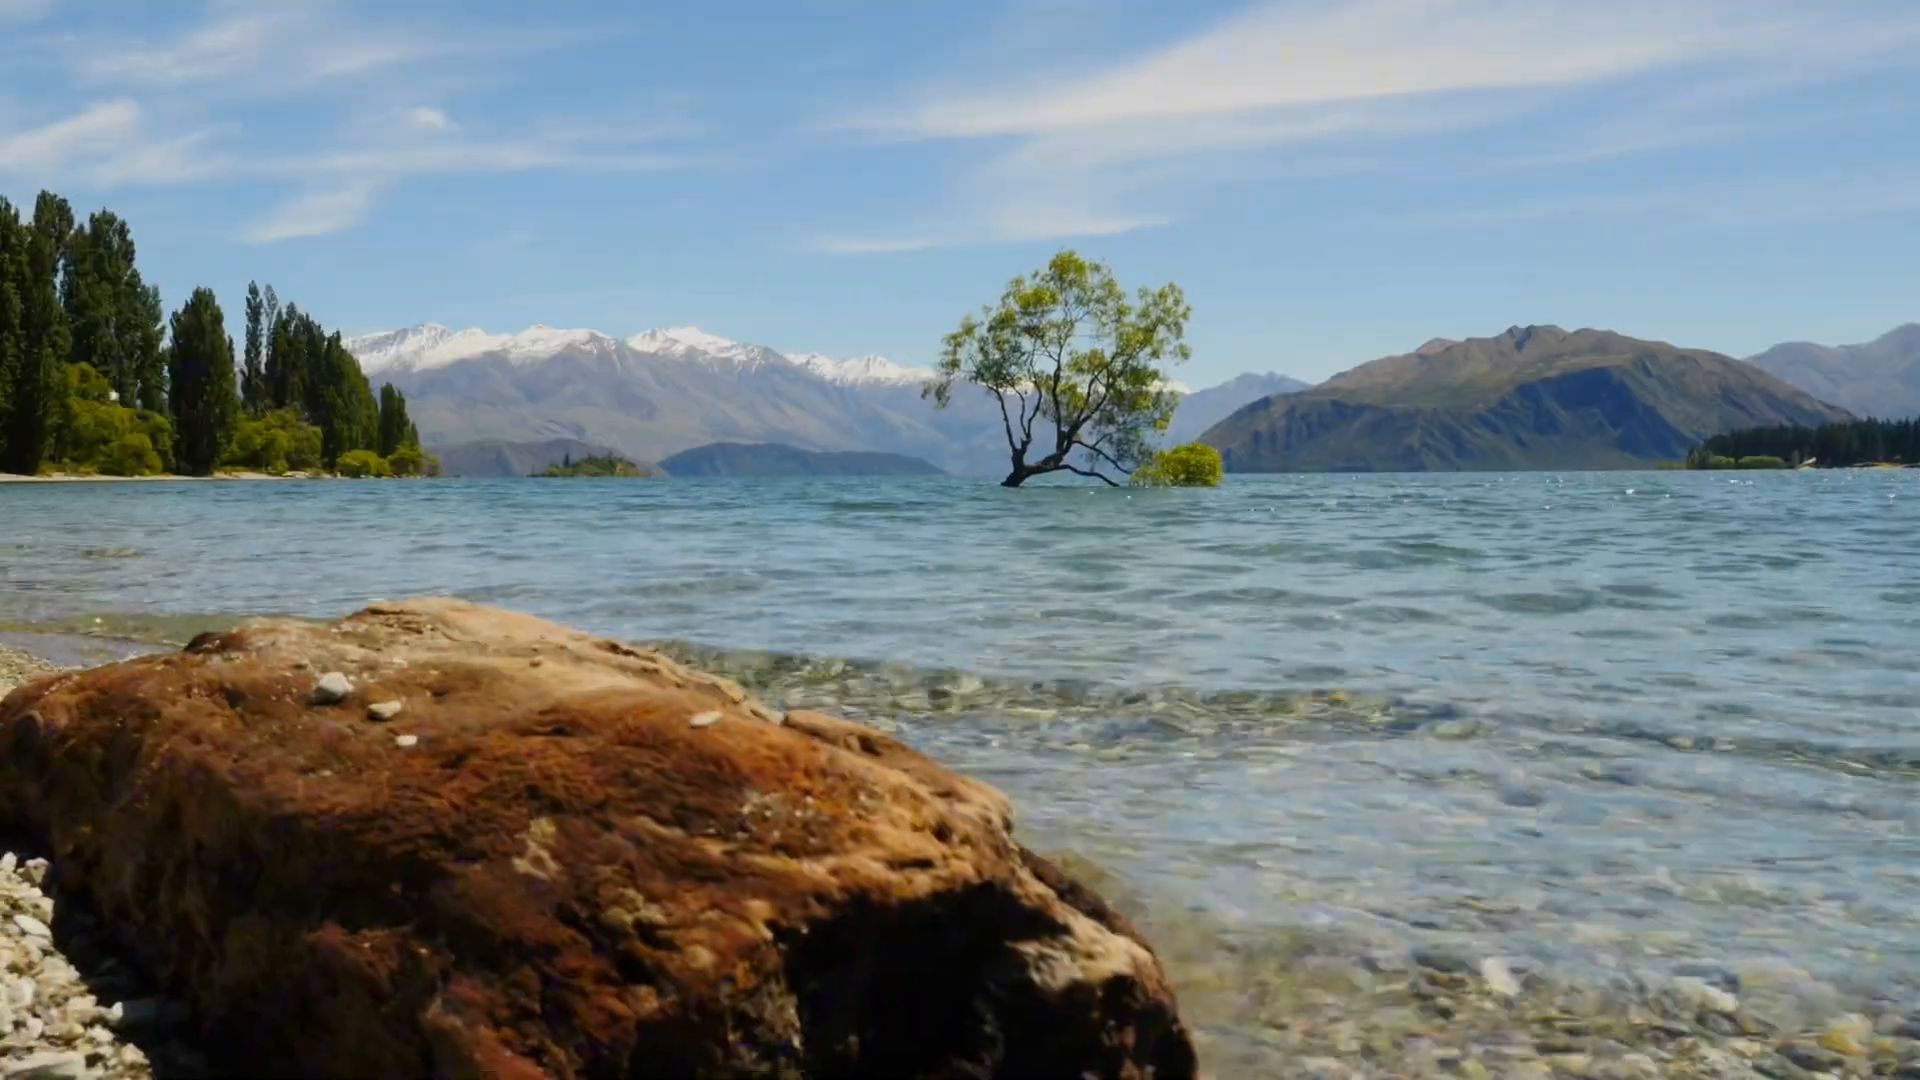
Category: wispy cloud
<point>314,214</point>
<point>183,106</point>
<point>1290,74</point>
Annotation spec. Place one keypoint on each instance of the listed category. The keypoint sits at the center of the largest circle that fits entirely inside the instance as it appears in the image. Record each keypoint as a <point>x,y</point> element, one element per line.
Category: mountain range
<point>1880,378</point>
<point>1533,397</point>
<point>656,393</point>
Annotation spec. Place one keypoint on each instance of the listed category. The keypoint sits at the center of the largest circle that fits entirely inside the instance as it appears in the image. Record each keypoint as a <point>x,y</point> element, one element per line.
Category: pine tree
<point>43,340</point>
<point>205,406</point>
<point>252,377</point>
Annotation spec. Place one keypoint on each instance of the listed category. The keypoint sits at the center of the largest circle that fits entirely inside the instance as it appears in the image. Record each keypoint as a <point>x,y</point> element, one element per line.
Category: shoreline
<point>79,478</point>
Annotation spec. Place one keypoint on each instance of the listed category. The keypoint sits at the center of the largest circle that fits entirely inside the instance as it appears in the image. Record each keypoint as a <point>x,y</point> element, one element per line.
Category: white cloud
<point>428,118</point>
<point>92,131</point>
<point>1109,143</point>
<point>314,214</point>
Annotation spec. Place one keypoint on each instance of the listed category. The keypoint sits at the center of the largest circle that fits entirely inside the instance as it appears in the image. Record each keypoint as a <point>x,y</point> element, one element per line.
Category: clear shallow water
<point>1597,722</point>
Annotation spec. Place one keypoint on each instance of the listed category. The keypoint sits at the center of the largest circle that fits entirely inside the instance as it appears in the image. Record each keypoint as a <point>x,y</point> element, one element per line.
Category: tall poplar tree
<point>396,430</point>
<point>39,370</point>
<point>113,315</point>
<point>252,374</point>
<point>13,286</point>
<point>206,407</point>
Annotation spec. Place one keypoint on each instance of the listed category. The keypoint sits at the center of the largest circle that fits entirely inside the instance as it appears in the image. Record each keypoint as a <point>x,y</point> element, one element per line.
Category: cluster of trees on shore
<point>93,380</point>
<point>595,465</point>
<point>1850,442</point>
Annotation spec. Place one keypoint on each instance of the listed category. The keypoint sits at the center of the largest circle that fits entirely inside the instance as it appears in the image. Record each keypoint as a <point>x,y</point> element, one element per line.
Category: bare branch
<point>1076,470</point>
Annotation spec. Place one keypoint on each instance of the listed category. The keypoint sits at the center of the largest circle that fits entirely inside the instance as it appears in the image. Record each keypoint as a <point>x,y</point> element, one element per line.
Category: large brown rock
<point>590,861</point>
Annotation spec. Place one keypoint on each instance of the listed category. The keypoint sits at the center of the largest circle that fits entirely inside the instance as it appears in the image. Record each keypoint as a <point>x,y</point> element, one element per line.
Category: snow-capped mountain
<point>859,370</point>
<point>670,389</point>
<point>430,345</point>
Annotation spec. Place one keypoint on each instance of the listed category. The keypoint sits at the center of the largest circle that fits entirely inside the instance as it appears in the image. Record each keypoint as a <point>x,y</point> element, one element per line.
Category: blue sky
<point>1330,180</point>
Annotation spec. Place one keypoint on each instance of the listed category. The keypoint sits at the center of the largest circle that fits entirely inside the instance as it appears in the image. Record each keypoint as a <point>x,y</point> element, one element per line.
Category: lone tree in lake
<point>1075,367</point>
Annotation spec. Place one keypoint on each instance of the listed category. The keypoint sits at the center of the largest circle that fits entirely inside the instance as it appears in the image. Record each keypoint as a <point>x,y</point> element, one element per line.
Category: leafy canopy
<point>1075,366</point>
<point>1188,465</point>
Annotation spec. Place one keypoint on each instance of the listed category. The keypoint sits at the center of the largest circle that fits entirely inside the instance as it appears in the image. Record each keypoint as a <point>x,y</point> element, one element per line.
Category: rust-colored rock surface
<point>561,857</point>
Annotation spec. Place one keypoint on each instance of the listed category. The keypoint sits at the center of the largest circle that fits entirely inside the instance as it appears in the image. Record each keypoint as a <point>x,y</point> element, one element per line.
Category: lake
<point>1605,725</point>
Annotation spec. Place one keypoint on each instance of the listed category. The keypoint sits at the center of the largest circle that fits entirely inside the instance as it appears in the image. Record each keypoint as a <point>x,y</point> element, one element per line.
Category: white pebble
<point>52,1065</point>
<point>32,926</point>
<point>332,689</point>
<point>385,710</point>
<point>705,719</point>
<point>406,740</point>
<point>1499,977</point>
<point>1706,995</point>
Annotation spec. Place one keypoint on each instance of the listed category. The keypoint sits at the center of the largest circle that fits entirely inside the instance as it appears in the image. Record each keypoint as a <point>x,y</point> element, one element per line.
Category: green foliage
<point>131,455</point>
<point>1761,461</point>
<point>394,430</point>
<point>83,368</point>
<point>275,442</point>
<point>94,434</point>
<point>206,404</point>
<point>1851,442</point>
<point>1074,365</point>
<point>252,373</point>
<point>113,315</point>
<point>35,328</point>
<point>1188,465</point>
<point>596,465</point>
<point>407,461</point>
<point>361,464</point>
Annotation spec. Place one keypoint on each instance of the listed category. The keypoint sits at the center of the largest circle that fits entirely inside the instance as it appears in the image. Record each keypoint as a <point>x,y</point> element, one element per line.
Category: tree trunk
<point>1016,478</point>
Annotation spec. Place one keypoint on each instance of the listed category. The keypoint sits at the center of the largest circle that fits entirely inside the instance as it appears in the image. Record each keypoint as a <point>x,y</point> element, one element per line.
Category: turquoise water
<point>1600,721</point>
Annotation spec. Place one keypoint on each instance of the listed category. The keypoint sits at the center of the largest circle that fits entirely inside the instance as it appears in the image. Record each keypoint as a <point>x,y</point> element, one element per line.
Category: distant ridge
<point>1880,378</point>
<point>1534,397</point>
<point>775,460</point>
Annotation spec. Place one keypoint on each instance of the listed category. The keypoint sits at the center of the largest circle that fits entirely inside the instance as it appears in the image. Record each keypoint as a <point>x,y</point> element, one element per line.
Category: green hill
<point>1536,397</point>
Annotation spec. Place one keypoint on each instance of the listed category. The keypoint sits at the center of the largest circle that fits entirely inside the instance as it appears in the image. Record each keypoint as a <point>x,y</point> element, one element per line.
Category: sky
<point>1329,180</point>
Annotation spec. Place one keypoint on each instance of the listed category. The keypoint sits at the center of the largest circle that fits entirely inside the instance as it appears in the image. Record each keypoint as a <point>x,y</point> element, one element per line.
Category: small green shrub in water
<point>1190,465</point>
<point>359,464</point>
<point>1761,461</point>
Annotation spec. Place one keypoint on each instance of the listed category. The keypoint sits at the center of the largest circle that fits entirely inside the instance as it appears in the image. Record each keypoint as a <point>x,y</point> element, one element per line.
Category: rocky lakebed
<point>438,839</point>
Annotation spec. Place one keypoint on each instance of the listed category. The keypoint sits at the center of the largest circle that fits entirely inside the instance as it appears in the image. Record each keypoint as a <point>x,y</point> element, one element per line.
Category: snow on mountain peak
<point>871,368</point>
<point>430,345</point>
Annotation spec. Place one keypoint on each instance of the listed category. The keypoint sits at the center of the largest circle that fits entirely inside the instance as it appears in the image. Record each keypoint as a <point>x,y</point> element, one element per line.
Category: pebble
<point>67,1065</point>
<point>1441,958</point>
<point>406,740</point>
<point>32,926</point>
<point>705,719</point>
<point>1499,977</point>
<point>1705,995</point>
<point>385,710</point>
<point>52,1024</point>
<point>332,689</point>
